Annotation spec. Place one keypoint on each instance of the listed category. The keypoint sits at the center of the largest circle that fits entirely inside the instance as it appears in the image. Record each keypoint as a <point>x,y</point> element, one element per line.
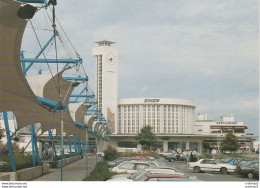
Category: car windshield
<point>161,163</point>
<point>142,177</point>
<point>226,160</point>
<point>246,163</point>
<point>134,175</point>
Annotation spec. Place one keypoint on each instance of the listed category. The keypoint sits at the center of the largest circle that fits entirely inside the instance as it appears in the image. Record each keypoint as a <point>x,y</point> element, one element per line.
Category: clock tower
<point>106,68</point>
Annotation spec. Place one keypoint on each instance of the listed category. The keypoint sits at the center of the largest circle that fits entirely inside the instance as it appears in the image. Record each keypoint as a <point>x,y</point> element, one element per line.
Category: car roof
<point>166,176</point>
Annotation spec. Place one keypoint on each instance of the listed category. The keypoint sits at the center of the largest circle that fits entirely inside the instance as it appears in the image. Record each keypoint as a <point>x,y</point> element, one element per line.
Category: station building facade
<point>172,119</point>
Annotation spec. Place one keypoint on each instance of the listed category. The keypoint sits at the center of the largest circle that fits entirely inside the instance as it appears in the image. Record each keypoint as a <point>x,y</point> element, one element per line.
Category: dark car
<point>230,160</point>
<point>255,172</point>
<point>249,169</point>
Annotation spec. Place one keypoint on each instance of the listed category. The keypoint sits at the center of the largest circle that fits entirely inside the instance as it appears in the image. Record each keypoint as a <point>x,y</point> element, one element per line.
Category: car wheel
<point>196,169</point>
<point>172,160</point>
<point>250,175</point>
<point>224,170</point>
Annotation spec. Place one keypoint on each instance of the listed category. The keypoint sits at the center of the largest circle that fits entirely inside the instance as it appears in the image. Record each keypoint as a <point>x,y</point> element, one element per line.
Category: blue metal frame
<point>86,102</point>
<point>84,79</point>
<point>52,104</point>
<point>10,147</point>
<point>31,139</point>
<point>85,96</point>
<point>69,146</point>
<point>7,142</point>
<point>33,60</point>
<point>38,55</point>
<point>34,1</point>
<point>75,147</point>
<point>33,146</point>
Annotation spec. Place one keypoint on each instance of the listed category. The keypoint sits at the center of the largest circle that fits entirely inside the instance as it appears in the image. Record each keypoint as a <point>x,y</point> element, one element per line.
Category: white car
<point>100,154</point>
<point>133,166</point>
<point>211,165</point>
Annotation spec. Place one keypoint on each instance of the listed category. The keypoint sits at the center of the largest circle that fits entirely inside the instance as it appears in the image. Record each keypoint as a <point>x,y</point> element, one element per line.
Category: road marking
<point>209,174</point>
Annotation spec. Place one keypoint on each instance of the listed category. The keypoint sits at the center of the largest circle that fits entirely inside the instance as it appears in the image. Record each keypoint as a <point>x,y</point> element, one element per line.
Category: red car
<point>139,156</point>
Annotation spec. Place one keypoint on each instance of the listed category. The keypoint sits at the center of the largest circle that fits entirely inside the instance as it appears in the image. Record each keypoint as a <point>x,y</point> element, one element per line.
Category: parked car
<point>212,166</point>
<point>167,153</point>
<point>165,177</point>
<point>139,156</point>
<point>244,162</point>
<point>249,170</point>
<point>100,154</point>
<point>120,160</point>
<point>139,173</point>
<point>133,166</point>
<point>173,157</point>
<point>230,160</point>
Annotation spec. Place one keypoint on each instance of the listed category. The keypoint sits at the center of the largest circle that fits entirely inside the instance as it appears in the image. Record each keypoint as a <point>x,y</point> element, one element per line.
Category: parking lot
<point>209,176</point>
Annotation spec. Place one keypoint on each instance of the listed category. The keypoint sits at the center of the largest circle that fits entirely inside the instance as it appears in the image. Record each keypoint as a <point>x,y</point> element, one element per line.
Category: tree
<point>146,137</point>
<point>230,142</point>
<point>2,134</point>
<point>110,153</point>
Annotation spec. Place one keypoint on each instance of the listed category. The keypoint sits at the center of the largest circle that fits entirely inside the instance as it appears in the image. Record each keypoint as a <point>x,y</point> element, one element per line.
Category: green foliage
<point>100,173</point>
<point>146,138</point>
<point>129,154</point>
<point>206,155</point>
<point>2,134</point>
<point>110,153</point>
<point>21,161</point>
<point>230,142</point>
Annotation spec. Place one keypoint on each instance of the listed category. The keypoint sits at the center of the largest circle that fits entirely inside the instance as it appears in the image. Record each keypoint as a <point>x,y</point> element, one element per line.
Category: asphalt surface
<point>75,171</point>
<point>210,176</point>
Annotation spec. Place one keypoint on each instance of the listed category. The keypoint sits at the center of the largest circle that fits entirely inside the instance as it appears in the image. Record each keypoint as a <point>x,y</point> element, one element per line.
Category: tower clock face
<point>111,58</point>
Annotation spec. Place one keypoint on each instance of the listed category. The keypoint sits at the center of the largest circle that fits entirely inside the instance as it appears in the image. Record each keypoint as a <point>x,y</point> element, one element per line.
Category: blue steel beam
<point>84,79</point>
<point>33,146</point>
<point>10,147</point>
<point>33,60</point>
<point>86,102</point>
<point>52,104</point>
<point>86,96</point>
<point>31,140</point>
<point>94,110</point>
<point>33,1</point>
<point>38,55</point>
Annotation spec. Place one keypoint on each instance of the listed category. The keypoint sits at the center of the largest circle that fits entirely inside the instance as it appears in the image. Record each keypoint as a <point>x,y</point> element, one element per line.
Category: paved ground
<point>210,176</point>
<point>73,172</point>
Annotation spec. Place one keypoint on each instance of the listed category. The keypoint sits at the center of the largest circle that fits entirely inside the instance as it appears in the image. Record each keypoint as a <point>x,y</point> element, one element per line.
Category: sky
<point>206,51</point>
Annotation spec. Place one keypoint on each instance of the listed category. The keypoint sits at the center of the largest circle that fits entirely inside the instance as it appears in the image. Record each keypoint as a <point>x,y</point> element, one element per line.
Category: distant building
<point>165,115</point>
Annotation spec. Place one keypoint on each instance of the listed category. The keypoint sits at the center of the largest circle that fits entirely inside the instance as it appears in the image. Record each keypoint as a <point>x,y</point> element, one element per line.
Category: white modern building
<point>225,125</point>
<point>172,119</point>
<point>106,80</point>
<point>165,115</point>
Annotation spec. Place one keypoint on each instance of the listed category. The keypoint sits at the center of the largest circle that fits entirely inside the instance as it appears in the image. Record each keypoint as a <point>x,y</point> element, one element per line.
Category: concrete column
<point>99,144</point>
<point>165,145</point>
<point>200,146</point>
<point>187,145</point>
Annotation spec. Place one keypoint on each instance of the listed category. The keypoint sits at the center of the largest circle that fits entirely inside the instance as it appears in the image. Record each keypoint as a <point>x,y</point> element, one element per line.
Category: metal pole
<point>69,146</point>
<point>96,150</point>
<point>32,139</point>
<point>61,145</point>
<point>75,147</point>
<point>10,147</point>
<point>87,154</point>
<point>36,148</point>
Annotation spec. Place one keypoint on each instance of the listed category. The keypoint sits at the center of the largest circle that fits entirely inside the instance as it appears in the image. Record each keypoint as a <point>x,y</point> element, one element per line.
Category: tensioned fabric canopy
<point>16,94</point>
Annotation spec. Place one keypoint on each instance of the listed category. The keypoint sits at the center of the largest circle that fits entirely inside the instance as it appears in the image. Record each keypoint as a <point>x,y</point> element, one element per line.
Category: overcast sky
<point>202,50</point>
